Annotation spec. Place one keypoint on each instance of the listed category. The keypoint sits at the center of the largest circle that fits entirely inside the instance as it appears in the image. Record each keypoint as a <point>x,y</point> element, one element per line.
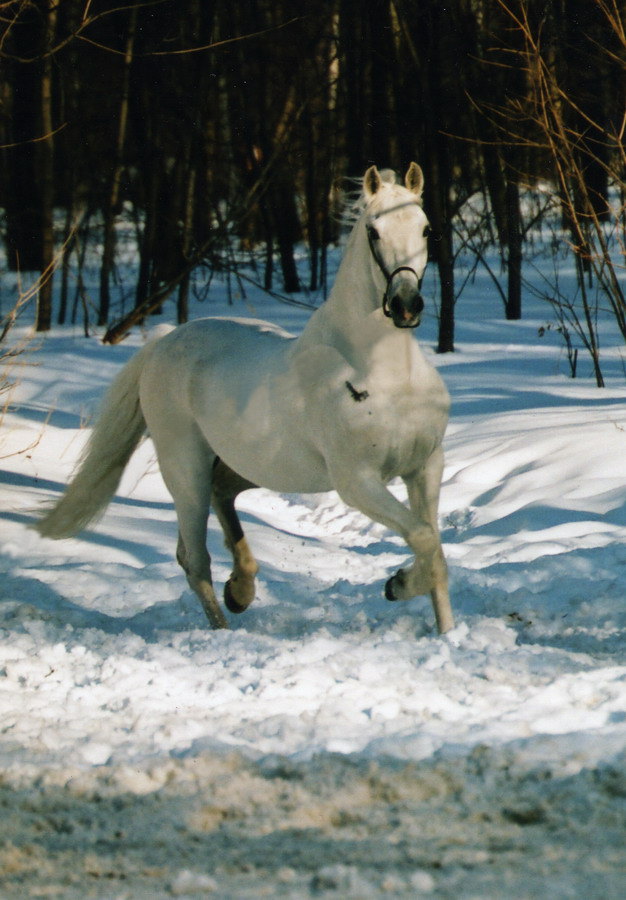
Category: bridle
<point>388,276</point>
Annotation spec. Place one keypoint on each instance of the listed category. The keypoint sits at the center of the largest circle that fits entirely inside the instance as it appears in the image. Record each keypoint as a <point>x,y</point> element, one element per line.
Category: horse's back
<point>214,353</point>
<point>224,339</point>
<point>234,379</point>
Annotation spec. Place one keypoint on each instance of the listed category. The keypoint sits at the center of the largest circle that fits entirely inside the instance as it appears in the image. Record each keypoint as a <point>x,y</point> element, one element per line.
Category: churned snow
<point>330,743</point>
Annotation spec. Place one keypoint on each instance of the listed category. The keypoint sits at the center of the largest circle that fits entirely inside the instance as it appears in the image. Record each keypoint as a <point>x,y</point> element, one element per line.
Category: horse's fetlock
<point>205,593</point>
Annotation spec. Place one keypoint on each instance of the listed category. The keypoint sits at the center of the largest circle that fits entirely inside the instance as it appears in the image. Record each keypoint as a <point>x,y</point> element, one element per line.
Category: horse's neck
<point>354,294</point>
<point>352,318</point>
<point>351,300</point>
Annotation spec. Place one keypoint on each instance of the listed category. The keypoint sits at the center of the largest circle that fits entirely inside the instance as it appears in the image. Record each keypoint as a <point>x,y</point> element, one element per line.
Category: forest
<point>227,134</point>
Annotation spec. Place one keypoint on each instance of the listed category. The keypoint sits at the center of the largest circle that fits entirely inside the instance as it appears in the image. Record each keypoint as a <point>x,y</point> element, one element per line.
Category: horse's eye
<point>373,233</point>
<point>427,230</point>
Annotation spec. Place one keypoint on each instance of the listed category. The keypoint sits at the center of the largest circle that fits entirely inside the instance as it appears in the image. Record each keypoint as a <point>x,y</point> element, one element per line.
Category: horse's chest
<point>399,429</point>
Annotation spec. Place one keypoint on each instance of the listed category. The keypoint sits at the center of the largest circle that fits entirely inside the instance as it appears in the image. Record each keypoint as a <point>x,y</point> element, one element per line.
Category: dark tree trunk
<point>514,261</point>
<point>438,206</point>
<point>23,202</point>
<point>425,43</point>
<point>46,168</point>
<point>351,46</point>
<point>286,227</point>
<point>111,207</point>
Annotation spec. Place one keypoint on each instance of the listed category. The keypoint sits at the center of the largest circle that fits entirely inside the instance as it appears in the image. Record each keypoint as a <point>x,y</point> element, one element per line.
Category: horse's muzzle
<point>402,302</point>
<point>405,312</point>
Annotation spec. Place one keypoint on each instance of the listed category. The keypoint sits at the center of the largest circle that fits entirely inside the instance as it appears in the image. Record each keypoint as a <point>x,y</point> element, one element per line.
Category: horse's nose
<point>406,310</point>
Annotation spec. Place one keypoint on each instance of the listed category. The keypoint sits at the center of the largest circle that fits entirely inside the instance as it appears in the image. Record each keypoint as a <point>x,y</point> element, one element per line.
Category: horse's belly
<point>278,461</point>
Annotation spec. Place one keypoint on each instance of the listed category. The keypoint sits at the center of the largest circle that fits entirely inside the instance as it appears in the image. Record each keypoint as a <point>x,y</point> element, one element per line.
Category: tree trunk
<point>445,263</point>
<point>23,192</point>
<point>147,240</point>
<point>351,53</point>
<point>46,149</point>
<point>382,114</point>
<point>68,246</point>
<point>187,236</point>
<point>514,263</point>
<point>286,228</point>
<point>111,210</point>
<point>426,46</point>
<point>439,213</point>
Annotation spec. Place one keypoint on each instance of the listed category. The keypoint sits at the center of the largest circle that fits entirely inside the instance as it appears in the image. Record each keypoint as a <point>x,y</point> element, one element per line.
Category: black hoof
<point>395,583</point>
<point>231,604</point>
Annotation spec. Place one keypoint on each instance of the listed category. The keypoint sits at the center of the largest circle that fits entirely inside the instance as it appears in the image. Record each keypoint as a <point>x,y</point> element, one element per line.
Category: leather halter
<point>389,276</point>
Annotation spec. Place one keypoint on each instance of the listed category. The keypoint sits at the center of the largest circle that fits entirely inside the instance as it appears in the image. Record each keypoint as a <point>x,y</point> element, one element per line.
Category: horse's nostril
<point>397,307</point>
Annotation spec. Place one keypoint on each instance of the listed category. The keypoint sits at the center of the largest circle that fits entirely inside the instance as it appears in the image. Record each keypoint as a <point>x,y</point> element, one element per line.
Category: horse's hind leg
<point>186,463</point>
<point>240,588</point>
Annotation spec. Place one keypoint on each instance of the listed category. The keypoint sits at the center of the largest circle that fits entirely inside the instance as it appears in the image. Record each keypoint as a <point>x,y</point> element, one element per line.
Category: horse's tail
<point>117,432</point>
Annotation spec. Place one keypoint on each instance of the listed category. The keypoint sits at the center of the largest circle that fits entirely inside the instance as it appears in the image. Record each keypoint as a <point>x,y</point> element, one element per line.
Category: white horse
<point>349,405</point>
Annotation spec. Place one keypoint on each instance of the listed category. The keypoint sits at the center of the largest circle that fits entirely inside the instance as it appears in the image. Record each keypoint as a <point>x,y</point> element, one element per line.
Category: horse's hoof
<point>394,589</point>
<point>231,604</point>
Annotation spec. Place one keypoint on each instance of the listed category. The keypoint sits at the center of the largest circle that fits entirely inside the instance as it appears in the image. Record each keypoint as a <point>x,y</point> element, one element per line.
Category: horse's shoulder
<point>320,367</point>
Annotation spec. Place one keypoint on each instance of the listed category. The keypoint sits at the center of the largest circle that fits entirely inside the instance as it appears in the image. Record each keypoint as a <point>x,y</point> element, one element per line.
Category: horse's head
<point>397,231</point>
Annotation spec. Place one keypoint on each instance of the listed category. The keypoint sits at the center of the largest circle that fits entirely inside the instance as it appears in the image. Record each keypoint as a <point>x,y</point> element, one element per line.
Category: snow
<point>330,743</point>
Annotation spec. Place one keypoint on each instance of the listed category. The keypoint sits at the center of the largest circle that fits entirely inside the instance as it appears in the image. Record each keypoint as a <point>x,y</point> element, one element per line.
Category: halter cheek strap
<point>389,276</point>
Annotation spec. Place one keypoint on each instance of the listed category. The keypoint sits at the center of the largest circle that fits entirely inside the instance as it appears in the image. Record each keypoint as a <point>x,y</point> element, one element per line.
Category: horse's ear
<point>414,180</point>
<point>371,182</point>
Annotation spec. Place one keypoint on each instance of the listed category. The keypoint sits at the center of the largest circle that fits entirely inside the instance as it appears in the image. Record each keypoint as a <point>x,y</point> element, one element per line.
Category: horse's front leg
<point>424,487</point>
<point>366,491</point>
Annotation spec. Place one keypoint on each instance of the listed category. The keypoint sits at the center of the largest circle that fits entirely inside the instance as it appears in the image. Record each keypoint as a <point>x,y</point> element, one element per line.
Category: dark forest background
<point>220,125</point>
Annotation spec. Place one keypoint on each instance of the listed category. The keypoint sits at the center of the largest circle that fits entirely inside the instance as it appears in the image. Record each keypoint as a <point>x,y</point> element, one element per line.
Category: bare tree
<point>46,149</point>
<point>577,140</point>
<point>112,201</point>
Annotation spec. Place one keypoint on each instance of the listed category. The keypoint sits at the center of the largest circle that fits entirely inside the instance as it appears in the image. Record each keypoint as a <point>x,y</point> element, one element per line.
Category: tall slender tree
<point>23,45</point>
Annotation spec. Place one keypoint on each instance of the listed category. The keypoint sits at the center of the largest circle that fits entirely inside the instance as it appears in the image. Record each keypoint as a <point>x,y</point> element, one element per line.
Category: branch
<point>212,46</point>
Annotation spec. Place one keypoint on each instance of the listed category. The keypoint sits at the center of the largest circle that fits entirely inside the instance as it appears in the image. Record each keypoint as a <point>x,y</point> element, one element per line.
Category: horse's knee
<point>424,542</point>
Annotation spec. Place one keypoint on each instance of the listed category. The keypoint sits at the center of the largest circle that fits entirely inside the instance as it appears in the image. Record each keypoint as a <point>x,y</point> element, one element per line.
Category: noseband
<point>389,276</point>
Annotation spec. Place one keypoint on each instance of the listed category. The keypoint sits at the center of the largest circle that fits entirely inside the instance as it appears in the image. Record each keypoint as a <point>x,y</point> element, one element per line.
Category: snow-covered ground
<point>330,743</point>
